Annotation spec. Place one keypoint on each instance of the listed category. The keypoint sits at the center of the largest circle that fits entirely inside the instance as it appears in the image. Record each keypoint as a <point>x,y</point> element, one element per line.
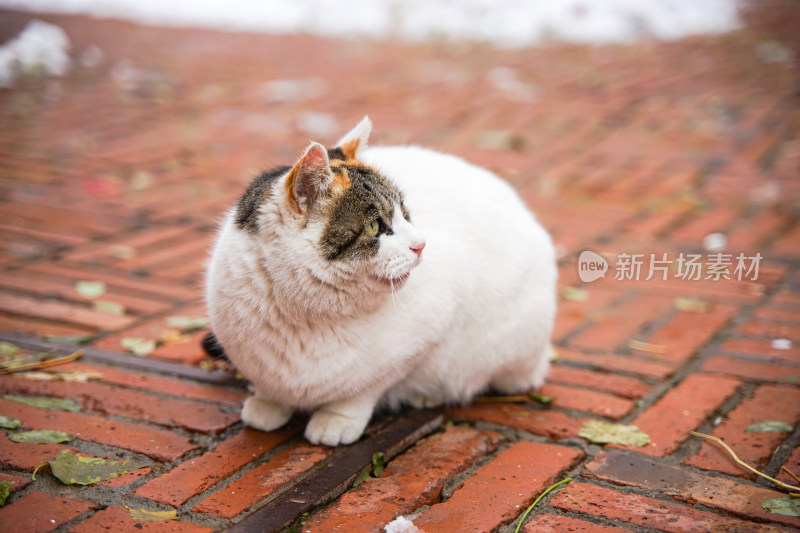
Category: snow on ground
<point>503,22</point>
<point>40,47</point>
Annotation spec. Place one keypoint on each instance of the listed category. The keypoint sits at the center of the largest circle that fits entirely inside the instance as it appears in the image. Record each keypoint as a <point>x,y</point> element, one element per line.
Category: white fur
<point>337,339</point>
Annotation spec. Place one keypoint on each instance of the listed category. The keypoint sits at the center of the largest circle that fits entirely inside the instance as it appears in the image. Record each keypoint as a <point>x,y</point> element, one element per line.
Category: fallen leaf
<point>74,469</point>
<point>119,251</point>
<point>378,464</point>
<point>143,515</point>
<point>45,402</point>
<point>781,344</point>
<point>692,305</point>
<point>108,307</point>
<point>647,347</point>
<point>187,322</point>
<point>601,432</point>
<point>9,423</point>
<point>8,348</point>
<point>90,289</point>
<point>575,294</point>
<point>5,490</point>
<point>138,345</point>
<point>547,400</point>
<point>41,436</point>
<point>75,376</point>
<point>769,426</point>
<point>786,505</point>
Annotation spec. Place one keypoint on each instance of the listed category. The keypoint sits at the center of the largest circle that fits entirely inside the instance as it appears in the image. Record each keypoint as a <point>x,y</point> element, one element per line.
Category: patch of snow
<point>401,525</point>
<point>515,23</point>
<point>40,47</point>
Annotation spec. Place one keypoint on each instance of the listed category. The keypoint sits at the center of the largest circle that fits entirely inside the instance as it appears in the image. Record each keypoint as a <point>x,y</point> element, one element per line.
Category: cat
<point>364,277</point>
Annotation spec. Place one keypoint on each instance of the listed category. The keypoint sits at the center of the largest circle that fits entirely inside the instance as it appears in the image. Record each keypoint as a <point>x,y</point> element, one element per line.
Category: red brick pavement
<point>118,173</point>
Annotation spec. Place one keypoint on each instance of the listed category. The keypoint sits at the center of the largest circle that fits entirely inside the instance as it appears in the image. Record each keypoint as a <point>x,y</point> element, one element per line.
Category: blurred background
<point>127,128</point>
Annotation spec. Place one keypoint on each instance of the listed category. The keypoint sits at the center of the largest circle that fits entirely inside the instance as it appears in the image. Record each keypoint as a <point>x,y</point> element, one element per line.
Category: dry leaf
<point>138,345</point>
<point>601,432</point>
<point>647,347</point>
<point>575,294</point>
<point>41,436</point>
<point>769,426</point>
<point>108,307</point>
<point>692,305</point>
<point>187,322</point>
<point>75,376</point>
<point>73,469</point>
<point>90,289</point>
<point>8,348</point>
<point>786,505</point>
<point>143,515</point>
<point>45,402</point>
<point>9,423</point>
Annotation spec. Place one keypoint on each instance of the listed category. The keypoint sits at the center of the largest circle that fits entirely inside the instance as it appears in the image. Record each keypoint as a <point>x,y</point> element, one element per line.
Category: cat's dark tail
<point>213,348</point>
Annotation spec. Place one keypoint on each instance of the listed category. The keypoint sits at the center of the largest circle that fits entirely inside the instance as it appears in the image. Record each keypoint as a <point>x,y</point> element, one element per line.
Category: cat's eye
<point>372,228</point>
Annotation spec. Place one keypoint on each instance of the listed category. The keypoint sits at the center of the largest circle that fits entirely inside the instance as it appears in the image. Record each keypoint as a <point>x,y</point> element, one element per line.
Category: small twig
<point>743,464</point>
<point>519,398</point>
<point>542,495</point>
<point>43,364</point>
<point>791,473</point>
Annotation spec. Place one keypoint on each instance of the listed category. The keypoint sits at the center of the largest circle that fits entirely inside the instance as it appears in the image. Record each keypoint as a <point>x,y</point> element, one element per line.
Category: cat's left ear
<point>355,139</point>
<point>309,179</point>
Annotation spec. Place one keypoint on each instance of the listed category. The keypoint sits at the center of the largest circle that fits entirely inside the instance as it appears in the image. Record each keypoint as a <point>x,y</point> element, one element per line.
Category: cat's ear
<point>355,139</point>
<point>309,179</point>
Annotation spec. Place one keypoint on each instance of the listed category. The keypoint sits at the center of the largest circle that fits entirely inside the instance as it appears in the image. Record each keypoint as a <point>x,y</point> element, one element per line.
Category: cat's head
<point>335,218</point>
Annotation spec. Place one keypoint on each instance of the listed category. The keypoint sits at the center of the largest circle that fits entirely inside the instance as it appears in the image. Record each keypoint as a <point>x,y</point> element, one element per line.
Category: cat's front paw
<point>332,429</point>
<point>264,415</point>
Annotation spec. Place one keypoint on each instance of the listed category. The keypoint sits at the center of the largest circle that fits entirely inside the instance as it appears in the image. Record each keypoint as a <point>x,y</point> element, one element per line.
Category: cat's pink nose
<point>417,248</point>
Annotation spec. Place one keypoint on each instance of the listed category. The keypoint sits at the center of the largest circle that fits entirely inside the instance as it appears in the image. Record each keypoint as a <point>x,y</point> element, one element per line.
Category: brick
<point>25,456</point>
<point>548,523</point>
<point>119,519</point>
<point>619,385</point>
<point>149,286</point>
<point>61,311</point>
<point>500,491</point>
<point>583,498</point>
<point>409,481</point>
<point>551,424</point>
<point>769,402</point>
<point>16,482</point>
<point>738,499</point>
<point>757,328</point>
<point>156,443</point>
<point>188,350</point>
<point>46,285</point>
<point>619,363</point>
<point>257,484</point>
<point>174,387</point>
<point>681,410</point>
<point>598,403</point>
<point>572,314</point>
<point>620,324</point>
<point>111,400</point>
<point>751,370</point>
<point>38,512</point>
<point>685,333</point>
<point>761,348</point>
<point>35,326</point>
<point>197,474</point>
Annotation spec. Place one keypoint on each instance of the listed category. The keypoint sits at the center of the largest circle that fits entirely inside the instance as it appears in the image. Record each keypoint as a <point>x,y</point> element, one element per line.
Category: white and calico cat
<point>366,276</point>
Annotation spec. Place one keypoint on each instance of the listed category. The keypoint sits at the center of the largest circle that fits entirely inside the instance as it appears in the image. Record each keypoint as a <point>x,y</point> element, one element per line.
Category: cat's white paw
<point>264,415</point>
<point>332,429</point>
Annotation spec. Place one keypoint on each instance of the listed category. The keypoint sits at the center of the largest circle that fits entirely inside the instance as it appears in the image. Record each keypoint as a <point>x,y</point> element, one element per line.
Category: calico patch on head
<point>256,194</point>
<point>370,199</point>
